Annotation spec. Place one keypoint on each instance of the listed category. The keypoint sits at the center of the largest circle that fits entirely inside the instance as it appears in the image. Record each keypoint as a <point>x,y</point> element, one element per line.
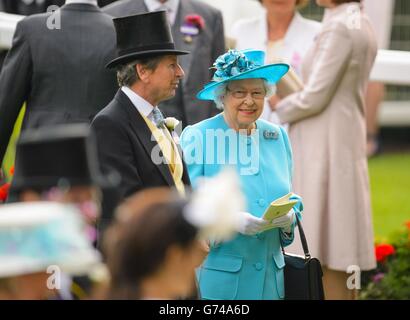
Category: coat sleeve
<point>333,52</point>
<point>15,79</point>
<point>287,238</point>
<point>192,146</point>
<point>112,136</point>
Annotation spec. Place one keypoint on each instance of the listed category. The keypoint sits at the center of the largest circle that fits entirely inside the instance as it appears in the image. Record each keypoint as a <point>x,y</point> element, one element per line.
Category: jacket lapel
<point>143,133</point>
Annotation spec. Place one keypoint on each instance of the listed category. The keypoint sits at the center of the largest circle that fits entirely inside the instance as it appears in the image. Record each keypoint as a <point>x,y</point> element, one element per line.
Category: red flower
<point>407,223</point>
<point>195,20</point>
<point>383,251</point>
<point>4,191</point>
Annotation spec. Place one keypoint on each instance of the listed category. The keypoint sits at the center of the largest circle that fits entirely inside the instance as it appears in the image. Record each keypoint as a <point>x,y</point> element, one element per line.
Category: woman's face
<point>243,102</point>
<point>325,3</point>
<point>280,6</point>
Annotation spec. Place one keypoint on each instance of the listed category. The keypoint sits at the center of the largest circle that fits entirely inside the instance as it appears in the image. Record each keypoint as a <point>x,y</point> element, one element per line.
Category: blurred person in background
<point>196,27</point>
<point>328,134</point>
<point>57,68</point>
<point>38,243</point>
<point>28,7</point>
<point>60,164</point>
<point>154,244</point>
<point>282,33</point>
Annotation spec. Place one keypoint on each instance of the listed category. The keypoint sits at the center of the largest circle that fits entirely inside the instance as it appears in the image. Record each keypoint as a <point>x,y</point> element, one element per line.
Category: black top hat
<point>143,35</point>
<point>61,155</point>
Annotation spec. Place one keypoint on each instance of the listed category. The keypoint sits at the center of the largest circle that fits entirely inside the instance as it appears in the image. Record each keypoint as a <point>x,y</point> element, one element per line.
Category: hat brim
<point>78,264</point>
<point>142,54</point>
<point>272,73</point>
<point>43,183</point>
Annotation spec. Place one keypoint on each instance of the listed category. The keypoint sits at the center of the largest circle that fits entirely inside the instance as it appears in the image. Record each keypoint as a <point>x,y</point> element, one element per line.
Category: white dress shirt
<point>94,2</point>
<point>142,105</point>
<point>171,6</point>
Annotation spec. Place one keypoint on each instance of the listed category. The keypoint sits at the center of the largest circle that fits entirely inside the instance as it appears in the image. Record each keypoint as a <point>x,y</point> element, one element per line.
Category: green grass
<point>390,191</point>
<point>8,161</point>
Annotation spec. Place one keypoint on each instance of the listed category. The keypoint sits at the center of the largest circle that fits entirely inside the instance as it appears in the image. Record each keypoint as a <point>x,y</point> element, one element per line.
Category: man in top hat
<point>56,65</point>
<point>62,157</point>
<point>132,137</point>
<point>60,164</point>
<point>196,27</point>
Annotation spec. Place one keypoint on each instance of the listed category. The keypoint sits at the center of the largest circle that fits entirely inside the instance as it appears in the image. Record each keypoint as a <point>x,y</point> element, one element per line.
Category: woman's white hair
<point>220,92</point>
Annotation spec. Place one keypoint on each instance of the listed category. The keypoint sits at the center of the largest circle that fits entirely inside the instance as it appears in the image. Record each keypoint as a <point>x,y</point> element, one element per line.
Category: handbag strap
<point>302,239</point>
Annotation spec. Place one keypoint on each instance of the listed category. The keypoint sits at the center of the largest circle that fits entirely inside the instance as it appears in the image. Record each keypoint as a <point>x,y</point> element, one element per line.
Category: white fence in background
<point>8,24</point>
<point>391,67</point>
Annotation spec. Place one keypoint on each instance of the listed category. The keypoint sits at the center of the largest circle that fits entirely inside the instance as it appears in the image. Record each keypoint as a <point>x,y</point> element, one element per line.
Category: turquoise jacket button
<point>262,202</point>
<point>258,266</point>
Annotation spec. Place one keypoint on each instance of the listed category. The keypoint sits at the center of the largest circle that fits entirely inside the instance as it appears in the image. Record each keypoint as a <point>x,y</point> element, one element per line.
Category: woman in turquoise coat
<point>250,266</point>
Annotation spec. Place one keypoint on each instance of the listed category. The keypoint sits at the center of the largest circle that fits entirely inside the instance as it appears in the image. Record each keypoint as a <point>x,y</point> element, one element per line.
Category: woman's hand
<point>273,101</point>
<point>250,225</point>
<point>285,222</point>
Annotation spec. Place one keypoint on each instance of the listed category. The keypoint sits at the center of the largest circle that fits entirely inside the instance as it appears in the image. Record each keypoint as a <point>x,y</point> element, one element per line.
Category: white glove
<point>285,222</point>
<point>250,225</point>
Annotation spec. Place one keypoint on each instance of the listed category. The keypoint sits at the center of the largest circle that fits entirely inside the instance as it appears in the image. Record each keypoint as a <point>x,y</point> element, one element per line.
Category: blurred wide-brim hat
<point>142,36</point>
<point>240,65</point>
<point>63,155</point>
<point>35,236</point>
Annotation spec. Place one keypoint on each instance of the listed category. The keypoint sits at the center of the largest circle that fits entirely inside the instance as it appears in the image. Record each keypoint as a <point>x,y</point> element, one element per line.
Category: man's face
<point>164,80</point>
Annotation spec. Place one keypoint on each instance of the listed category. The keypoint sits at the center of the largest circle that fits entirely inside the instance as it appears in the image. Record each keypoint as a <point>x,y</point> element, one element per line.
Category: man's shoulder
<point>34,20</point>
<point>124,8</point>
<point>216,122</point>
<point>113,113</point>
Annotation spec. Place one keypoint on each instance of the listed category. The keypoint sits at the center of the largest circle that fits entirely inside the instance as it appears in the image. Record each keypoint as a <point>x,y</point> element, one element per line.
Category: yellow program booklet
<point>279,207</point>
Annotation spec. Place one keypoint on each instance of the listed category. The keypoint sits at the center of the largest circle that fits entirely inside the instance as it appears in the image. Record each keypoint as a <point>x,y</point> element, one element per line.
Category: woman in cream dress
<point>328,134</point>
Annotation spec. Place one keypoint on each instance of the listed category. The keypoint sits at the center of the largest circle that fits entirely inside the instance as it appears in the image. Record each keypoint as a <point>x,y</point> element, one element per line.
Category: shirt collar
<point>94,2</point>
<point>142,105</point>
<point>171,5</point>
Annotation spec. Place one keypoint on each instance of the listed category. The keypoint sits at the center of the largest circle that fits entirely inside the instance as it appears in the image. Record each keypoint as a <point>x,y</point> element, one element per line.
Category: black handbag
<point>303,274</point>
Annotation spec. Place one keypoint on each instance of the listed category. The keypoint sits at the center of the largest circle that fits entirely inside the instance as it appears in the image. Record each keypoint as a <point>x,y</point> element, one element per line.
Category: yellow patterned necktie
<point>170,152</point>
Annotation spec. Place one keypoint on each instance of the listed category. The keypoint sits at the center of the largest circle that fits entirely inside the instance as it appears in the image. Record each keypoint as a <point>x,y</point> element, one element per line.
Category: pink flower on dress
<point>296,61</point>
